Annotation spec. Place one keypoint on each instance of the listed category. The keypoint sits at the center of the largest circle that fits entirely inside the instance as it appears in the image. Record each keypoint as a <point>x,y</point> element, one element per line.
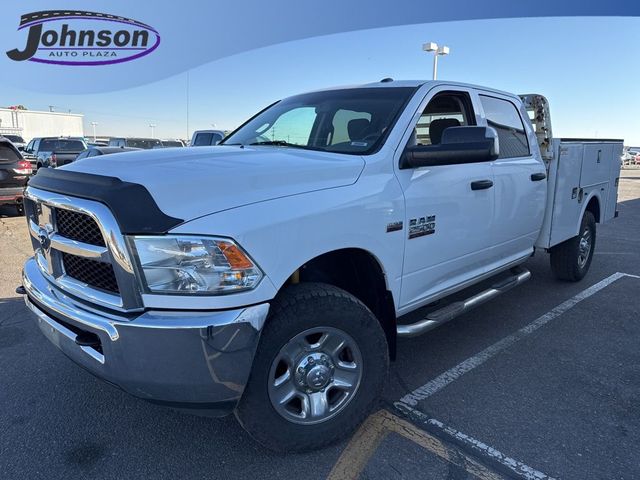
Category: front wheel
<point>318,371</point>
<point>571,259</point>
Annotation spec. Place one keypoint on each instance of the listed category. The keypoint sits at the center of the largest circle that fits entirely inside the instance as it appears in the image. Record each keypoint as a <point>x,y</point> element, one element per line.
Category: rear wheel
<point>318,371</point>
<point>571,259</point>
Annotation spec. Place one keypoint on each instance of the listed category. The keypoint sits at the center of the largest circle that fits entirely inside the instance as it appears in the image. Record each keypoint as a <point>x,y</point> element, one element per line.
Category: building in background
<point>32,123</point>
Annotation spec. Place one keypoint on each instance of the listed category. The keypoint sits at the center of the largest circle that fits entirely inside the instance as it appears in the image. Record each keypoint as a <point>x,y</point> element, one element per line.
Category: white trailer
<point>32,123</point>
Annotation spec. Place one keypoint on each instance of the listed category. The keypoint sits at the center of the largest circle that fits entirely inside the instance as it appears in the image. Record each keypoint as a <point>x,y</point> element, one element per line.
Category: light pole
<point>93,124</point>
<point>438,51</point>
<point>152,126</point>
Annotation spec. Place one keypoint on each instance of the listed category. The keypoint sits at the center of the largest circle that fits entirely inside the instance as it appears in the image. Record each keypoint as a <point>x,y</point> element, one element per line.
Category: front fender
<point>283,234</point>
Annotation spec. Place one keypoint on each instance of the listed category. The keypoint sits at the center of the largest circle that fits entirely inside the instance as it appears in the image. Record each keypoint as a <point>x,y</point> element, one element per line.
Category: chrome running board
<point>451,311</point>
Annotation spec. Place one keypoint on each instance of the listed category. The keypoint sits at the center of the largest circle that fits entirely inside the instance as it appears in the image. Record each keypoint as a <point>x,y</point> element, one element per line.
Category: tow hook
<point>21,290</point>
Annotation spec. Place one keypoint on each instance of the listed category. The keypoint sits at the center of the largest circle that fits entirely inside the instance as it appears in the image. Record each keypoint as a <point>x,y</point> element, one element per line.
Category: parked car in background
<point>172,143</point>
<point>97,143</point>
<point>99,151</point>
<point>629,157</point>
<point>14,174</point>
<point>135,142</point>
<point>52,152</point>
<point>203,138</point>
<point>17,141</point>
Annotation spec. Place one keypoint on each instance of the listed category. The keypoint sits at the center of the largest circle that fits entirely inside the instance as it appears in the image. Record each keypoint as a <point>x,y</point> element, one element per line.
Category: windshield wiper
<point>279,143</point>
<point>282,143</point>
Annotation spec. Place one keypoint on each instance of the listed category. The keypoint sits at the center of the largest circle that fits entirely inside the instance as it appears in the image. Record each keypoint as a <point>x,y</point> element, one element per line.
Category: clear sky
<point>589,69</point>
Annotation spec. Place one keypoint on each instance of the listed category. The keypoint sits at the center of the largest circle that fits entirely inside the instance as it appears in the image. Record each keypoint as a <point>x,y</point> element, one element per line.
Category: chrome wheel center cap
<point>583,244</point>
<point>314,372</point>
<point>318,377</point>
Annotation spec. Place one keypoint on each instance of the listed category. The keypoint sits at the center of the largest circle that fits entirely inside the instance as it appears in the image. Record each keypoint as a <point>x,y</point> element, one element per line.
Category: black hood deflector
<point>132,205</point>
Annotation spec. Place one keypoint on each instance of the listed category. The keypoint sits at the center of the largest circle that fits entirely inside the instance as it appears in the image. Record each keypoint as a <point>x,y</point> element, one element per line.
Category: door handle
<point>536,177</point>
<point>481,184</point>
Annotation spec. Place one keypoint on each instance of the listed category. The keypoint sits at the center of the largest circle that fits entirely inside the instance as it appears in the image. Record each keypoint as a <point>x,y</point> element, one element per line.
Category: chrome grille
<point>97,274</point>
<point>80,249</point>
<point>78,226</point>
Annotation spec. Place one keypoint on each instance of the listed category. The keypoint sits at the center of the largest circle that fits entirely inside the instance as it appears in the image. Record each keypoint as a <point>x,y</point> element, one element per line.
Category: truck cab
<point>206,138</point>
<point>275,282</point>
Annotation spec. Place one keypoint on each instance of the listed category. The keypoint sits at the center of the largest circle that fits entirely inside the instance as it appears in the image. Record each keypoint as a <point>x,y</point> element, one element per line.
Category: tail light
<point>24,168</point>
<point>53,160</point>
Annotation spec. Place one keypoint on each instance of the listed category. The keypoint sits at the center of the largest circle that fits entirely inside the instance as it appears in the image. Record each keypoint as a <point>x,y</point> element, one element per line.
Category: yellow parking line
<point>366,441</point>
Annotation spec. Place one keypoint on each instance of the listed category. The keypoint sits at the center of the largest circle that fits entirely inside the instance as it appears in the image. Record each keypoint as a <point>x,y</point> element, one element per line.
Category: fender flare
<point>586,200</point>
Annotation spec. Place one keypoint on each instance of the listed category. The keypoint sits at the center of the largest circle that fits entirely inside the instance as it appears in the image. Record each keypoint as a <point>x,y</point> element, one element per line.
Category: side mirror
<point>459,145</point>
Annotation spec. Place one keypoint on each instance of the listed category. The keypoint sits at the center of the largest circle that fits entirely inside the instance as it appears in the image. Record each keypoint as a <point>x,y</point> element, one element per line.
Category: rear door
<point>519,177</point>
<point>448,224</point>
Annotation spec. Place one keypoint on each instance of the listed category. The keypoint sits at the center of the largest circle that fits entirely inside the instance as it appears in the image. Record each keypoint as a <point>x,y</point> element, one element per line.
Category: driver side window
<point>446,109</point>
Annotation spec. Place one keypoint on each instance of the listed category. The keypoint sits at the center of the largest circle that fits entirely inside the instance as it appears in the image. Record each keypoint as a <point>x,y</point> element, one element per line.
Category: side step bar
<point>443,315</point>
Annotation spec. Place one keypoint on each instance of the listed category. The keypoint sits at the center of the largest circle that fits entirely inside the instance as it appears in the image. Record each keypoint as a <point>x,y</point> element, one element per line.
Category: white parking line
<point>406,403</point>
<point>441,381</point>
<point>482,449</point>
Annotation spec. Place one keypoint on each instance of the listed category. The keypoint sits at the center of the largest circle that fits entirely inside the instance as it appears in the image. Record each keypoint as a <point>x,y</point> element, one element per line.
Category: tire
<point>324,314</point>
<point>569,262</point>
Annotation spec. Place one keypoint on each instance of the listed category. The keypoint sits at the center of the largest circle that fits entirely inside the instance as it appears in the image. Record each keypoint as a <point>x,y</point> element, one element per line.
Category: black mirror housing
<point>468,144</point>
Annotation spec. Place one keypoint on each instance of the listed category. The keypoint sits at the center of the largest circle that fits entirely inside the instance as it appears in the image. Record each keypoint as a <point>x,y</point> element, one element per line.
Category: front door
<point>448,223</point>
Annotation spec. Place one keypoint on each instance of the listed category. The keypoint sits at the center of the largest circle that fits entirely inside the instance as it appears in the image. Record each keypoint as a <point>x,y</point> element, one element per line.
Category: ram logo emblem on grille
<point>44,237</point>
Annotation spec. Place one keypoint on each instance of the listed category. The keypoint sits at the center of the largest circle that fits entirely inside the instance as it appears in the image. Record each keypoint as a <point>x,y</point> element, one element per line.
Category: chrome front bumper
<point>186,359</point>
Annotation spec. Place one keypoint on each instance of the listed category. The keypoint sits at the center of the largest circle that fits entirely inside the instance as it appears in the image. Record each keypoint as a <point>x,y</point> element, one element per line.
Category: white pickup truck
<point>273,281</point>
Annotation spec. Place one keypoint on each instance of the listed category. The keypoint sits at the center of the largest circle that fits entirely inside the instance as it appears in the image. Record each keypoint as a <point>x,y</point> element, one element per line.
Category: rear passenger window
<point>504,117</point>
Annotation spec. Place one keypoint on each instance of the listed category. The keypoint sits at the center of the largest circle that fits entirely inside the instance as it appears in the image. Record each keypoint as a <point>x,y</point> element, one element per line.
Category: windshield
<point>352,121</point>
<point>14,138</point>
<point>55,145</point>
<point>146,143</point>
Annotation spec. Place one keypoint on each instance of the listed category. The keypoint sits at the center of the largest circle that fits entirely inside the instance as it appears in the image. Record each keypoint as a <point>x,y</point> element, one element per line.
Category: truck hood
<point>187,183</point>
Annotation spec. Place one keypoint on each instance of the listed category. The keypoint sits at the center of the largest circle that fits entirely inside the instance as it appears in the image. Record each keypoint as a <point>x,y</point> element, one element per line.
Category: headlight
<point>194,265</point>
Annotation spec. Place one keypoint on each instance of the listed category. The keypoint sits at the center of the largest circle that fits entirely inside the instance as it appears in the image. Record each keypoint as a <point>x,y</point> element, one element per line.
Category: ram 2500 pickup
<point>274,281</point>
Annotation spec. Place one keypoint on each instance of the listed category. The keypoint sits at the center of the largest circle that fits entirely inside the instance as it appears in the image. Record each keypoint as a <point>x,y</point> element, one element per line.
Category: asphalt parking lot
<point>541,383</point>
